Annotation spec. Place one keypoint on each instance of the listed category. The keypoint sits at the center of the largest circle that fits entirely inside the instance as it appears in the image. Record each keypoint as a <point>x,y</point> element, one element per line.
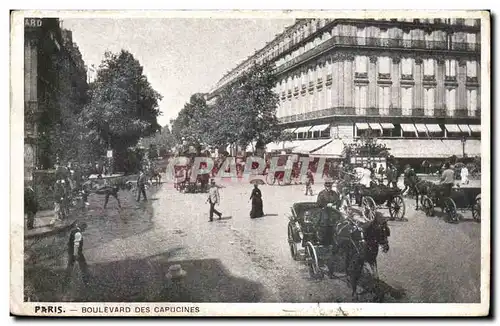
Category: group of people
<point>214,200</point>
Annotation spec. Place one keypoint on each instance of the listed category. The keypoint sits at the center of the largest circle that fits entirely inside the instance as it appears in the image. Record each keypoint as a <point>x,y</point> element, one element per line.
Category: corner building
<point>411,83</point>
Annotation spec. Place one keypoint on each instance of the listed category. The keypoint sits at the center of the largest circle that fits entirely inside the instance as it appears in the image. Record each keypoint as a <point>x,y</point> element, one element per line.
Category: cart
<point>461,198</point>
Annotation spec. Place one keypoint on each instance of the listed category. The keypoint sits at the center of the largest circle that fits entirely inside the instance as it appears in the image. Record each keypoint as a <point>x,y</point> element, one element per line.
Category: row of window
<point>407,66</point>
<point>362,32</point>
<point>361,66</point>
<point>384,101</point>
<point>361,36</point>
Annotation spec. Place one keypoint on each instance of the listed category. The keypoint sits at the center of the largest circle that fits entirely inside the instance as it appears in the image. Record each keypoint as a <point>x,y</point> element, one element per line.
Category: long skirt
<point>257,209</point>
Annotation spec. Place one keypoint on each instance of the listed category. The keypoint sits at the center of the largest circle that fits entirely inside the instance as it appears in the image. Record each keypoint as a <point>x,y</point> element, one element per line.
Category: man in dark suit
<point>75,254</point>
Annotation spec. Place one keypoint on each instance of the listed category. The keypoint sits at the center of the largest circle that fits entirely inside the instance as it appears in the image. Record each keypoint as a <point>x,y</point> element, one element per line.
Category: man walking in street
<point>141,186</point>
<point>309,182</point>
<point>30,206</point>
<point>213,199</point>
<point>75,254</point>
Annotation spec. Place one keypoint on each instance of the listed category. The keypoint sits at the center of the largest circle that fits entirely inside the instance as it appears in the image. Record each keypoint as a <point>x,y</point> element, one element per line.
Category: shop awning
<point>452,128</point>
<point>320,128</point>
<point>408,127</point>
<point>387,126</point>
<point>362,126</point>
<point>431,148</point>
<point>420,127</point>
<point>309,145</point>
<point>375,126</point>
<point>332,149</point>
<point>302,129</point>
<point>465,129</point>
<point>290,130</point>
<point>434,128</point>
<point>271,147</point>
<point>475,128</point>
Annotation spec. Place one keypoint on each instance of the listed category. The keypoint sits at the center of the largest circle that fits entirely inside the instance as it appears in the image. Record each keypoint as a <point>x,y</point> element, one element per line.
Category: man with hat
<point>327,198</point>
<point>75,254</point>
<point>213,199</point>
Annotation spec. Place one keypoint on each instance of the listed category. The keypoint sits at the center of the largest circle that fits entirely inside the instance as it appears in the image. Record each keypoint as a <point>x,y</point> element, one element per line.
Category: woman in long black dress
<point>256,198</point>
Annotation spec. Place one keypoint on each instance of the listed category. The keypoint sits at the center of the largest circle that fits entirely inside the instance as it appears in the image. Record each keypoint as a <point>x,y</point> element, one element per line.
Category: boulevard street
<point>238,259</point>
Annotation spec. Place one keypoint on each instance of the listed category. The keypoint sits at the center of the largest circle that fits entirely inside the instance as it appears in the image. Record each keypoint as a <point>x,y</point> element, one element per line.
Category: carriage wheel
<point>427,206</point>
<point>476,209</point>
<point>313,262</point>
<point>368,207</point>
<point>271,179</point>
<point>450,209</point>
<point>397,207</point>
<point>291,242</point>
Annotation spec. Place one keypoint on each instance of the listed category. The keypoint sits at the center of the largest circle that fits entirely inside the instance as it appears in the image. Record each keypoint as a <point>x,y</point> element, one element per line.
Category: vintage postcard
<point>282,163</point>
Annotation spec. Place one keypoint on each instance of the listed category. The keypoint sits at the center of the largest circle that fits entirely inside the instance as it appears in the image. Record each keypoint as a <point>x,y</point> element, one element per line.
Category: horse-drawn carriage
<point>461,198</point>
<point>380,196</point>
<point>326,235</point>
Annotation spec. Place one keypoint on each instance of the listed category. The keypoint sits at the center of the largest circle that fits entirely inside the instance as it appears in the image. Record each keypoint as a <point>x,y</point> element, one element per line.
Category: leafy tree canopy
<point>123,105</point>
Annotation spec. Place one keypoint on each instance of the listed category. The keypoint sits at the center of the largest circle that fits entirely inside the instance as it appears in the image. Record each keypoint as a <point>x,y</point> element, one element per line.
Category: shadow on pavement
<point>144,280</point>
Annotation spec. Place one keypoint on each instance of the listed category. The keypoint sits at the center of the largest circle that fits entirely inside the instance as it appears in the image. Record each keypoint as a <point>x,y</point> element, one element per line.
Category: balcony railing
<point>379,42</point>
<point>391,112</point>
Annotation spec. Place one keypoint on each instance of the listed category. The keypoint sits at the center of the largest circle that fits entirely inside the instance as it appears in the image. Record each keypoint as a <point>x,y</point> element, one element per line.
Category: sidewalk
<point>45,226</point>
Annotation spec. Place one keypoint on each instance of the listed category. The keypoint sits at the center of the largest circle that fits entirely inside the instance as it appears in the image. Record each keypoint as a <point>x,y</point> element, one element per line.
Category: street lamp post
<point>464,140</point>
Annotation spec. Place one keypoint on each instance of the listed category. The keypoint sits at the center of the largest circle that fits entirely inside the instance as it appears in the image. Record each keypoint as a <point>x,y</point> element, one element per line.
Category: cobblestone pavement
<point>248,260</point>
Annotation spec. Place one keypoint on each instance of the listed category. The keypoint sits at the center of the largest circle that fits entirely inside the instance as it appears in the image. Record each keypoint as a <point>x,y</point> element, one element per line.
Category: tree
<point>123,106</point>
<point>245,111</point>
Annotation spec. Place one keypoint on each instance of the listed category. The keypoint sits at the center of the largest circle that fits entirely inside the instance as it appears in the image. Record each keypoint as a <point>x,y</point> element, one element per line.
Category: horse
<point>103,191</point>
<point>359,242</point>
<point>420,187</point>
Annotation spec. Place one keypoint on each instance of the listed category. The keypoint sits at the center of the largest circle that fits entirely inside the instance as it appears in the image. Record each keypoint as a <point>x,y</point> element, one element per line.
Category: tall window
<point>451,68</point>
<point>470,22</point>
<point>360,99</point>
<point>406,100</point>
<point>429,101</point>
<point>471,38</point>
<point>384,38</point>
<point>361,64</point>
<point>428,67</point>
<point>407,66</point>
<point>384,99</point>
<point>406,39</point>
<point>471,69</point>
<point>361,35</point>
<point>384,65</point>
<point>451,100</point>
<point>328,97</point>
<point>472,101</point>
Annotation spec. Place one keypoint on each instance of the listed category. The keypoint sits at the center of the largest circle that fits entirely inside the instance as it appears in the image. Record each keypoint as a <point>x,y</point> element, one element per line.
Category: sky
<point>180,56</point>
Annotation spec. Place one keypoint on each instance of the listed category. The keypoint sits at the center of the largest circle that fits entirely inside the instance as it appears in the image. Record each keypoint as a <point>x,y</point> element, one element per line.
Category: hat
<point>175,271</point>
<point>328,181</point>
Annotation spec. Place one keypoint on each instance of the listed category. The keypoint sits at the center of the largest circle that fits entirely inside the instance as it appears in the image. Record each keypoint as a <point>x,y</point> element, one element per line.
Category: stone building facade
<point>412,83</point>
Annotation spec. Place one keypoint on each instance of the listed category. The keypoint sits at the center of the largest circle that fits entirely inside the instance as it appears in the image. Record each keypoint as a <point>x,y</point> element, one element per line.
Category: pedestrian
<point>257,206</point>
<point>75,254</point>
<point>381,173</point>
<point>30,206</point>
<point>141,186</point>
<point>447,179</point>
<point>409,173</point>
<point>213,199</point>
<point>464,174</point>
<point>392,176</point>
<point>309,182</point>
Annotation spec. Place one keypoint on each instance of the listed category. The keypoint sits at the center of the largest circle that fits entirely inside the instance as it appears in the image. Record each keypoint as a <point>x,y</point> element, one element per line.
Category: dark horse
<point>103,191</point>
<point>421,187</point>
<point>360,245</point>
